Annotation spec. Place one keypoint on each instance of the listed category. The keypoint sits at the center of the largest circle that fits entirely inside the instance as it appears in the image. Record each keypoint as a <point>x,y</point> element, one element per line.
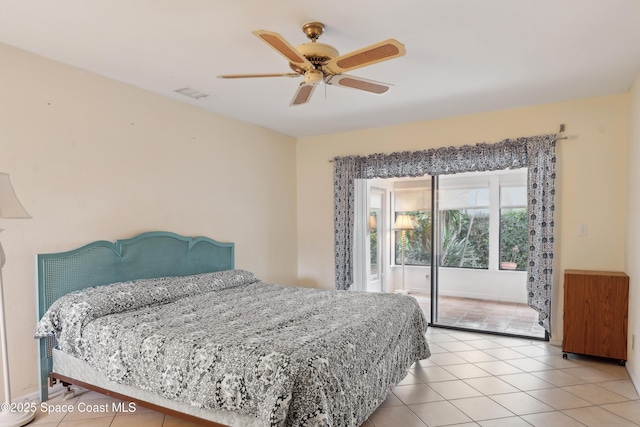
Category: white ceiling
<point>463,56</point>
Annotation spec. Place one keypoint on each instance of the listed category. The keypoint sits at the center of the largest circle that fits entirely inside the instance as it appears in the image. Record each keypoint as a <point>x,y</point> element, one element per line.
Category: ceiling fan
<point>319,62</point>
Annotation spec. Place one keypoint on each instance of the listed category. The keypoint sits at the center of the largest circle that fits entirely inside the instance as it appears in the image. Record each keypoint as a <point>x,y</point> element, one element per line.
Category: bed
<point>166,321</point>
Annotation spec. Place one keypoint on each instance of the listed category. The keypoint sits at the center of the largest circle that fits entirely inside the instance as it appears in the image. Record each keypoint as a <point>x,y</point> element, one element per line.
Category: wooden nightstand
<point>596,305</point>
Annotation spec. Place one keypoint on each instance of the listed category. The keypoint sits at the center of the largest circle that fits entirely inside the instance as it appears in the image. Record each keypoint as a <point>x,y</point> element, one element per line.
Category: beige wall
<point>591,183</point>
<point>94,159</point>
<point>633,231</point>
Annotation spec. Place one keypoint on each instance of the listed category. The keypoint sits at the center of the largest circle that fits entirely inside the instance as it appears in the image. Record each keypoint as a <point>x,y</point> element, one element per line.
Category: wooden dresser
<point>596,305</point>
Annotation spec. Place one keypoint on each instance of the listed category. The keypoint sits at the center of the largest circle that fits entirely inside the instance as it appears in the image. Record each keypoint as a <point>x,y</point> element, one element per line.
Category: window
<point>514,221</point>
<point>463,209</point>
<point>375,231</point>
<point>413,198</point>
<point>479,213</point>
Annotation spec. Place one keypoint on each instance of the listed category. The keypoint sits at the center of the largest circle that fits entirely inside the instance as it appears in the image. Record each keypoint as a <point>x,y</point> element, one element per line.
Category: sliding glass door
<point>463,254</point>
<point>482,232</point>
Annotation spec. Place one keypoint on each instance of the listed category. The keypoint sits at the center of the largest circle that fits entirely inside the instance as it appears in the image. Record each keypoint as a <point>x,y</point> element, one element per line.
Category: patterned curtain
<point>537,153</point>
<point>344,172</point>
<point>541,194</point>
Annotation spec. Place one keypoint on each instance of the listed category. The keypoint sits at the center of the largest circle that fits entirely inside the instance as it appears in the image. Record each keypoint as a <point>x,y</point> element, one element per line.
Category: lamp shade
<point>10,206</point>
<point>403,222</point>
<point>373,222</point>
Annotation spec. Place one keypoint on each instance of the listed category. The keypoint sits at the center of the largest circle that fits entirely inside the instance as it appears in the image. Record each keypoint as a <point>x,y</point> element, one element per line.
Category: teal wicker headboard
<point>148,255</point>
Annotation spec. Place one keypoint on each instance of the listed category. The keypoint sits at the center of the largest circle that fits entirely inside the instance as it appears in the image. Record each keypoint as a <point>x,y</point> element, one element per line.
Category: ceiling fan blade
<point>283,47</point>
<point>354,82</point>
<point>250,76</point>
<point>382,51</point>
<point>303,93</point>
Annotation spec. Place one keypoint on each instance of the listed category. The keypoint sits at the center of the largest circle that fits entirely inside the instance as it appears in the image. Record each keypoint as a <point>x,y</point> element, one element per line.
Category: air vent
<point>192,93</point>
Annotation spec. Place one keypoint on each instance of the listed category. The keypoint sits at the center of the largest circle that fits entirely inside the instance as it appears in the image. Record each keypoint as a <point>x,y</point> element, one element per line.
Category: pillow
<point>71,312</point>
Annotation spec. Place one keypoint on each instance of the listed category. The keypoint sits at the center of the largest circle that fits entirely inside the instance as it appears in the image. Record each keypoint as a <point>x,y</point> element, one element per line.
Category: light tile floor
<point>472,379</point>
<point>475,379</point>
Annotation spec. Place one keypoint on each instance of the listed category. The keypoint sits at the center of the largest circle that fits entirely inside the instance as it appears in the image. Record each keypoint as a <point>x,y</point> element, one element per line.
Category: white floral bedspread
<point>290,356</point>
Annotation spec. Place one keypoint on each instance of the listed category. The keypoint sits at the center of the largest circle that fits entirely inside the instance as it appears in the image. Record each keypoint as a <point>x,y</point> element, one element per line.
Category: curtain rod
<point>562,128</point>
<point>562,131</point>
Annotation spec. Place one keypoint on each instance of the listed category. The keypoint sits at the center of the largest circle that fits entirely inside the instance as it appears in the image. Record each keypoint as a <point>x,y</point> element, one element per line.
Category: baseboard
<point>499,298</point>
<point>35,396</point>
<point>31,397</point>
<point>633,380</point>
<point>486,297</point>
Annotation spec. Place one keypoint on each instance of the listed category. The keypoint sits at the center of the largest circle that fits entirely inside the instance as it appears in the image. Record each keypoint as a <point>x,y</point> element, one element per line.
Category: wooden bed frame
<point>148,255</point>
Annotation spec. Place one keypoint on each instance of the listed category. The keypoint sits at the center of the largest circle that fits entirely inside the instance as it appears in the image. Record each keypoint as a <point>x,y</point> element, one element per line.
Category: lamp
<point>10,207</point>
<point>403,223</point>
<point>373,222</point>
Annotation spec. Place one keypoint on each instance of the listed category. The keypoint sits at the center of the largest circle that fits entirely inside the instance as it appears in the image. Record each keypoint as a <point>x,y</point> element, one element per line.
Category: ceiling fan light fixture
<point>313,77</point>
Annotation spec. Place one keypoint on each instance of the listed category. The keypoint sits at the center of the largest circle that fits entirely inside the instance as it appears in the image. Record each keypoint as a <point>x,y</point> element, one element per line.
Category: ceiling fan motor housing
<point>316,53</point>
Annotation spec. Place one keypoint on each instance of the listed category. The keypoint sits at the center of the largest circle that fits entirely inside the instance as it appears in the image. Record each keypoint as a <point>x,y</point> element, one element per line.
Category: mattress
<point>75,368</point>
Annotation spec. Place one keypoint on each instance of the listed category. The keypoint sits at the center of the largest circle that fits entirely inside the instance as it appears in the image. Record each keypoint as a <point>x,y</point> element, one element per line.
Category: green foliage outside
<point>373,240</point>
<point>465,238</point>
<point>418,241</point>
<point>514,237</point>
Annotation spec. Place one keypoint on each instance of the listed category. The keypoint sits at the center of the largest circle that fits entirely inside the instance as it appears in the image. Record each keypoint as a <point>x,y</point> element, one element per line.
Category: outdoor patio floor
<point>484,315</point>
